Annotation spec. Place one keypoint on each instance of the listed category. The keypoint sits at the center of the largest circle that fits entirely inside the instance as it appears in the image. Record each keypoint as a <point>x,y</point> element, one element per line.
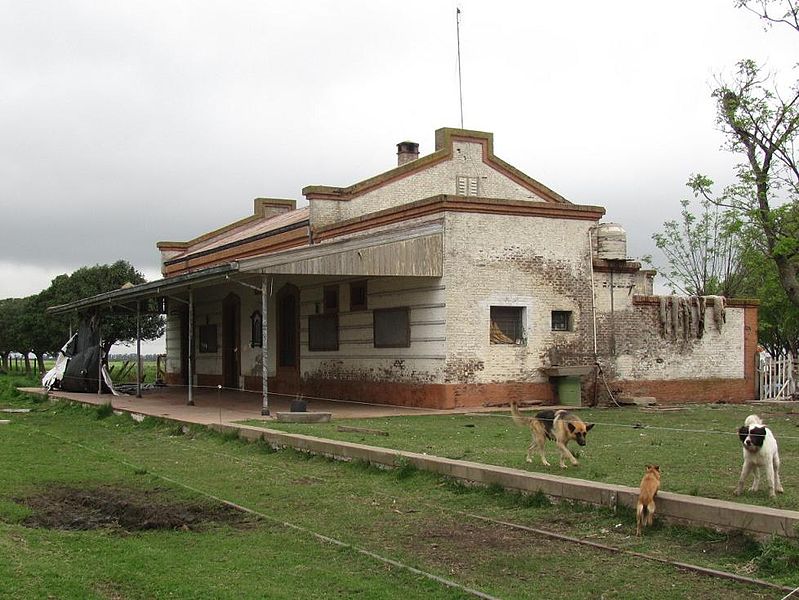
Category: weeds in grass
<point>779,557</point>
<point>105,410</point>
<point>264,446</point>
<point>404,469</point>
<point>230,435</point>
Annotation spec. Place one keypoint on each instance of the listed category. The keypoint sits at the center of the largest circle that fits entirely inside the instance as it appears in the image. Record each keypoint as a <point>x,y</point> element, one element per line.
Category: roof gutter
<point>151,289</point>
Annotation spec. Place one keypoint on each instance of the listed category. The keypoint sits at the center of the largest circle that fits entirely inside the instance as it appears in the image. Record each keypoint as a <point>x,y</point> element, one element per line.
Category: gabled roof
<point>444,138</point>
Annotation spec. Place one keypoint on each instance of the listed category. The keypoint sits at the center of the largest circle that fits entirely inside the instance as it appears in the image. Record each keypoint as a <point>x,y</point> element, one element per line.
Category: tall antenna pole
<point>458,34</point>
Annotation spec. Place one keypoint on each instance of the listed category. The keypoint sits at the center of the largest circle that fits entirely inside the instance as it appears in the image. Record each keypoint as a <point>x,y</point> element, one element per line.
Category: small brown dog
<point>645,509</point>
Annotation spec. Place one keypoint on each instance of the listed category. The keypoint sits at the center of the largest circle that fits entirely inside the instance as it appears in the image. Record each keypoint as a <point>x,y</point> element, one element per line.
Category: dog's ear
<point>647,467</point>
<point>590,426</point>
<point>656,467</point>
<point>570,425</point>
<point>743,432</point>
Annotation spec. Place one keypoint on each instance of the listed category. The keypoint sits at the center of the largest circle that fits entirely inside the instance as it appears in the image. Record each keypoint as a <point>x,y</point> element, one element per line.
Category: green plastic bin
<point>569,391</point>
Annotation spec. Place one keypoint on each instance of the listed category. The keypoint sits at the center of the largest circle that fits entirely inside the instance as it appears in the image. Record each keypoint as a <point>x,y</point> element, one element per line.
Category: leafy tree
<point>703,248</point>
<point>10,338</point>
<point>116,325</point>
<point>778,323</point>
<point>26,326</point>
<point>761,124</point>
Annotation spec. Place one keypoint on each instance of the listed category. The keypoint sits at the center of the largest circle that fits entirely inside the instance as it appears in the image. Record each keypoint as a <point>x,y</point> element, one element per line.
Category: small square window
<point>330,299</point>
<point>358,295</point>
<point>323,332</point>
<point>561,320</point>
<point>207,339</point>
<point>507,325</point>
<point>392,328</point>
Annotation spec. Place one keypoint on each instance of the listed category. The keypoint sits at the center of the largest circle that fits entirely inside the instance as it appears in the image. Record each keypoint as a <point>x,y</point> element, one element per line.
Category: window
<point>392,328</point>
<point>330,299</point>
<point>256,330</point>
<point>358,295</point>
<point>323,332</point>
<point>561,320</point>
<point>507,325</point>
<point>466,186</point>
<point>207,338</point>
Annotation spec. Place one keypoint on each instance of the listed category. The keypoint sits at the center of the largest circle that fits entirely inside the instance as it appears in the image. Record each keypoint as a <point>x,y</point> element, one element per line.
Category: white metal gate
<point>775,377</point>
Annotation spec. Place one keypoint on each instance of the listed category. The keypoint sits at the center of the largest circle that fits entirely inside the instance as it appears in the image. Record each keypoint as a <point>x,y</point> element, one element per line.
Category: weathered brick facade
<point>504,244</point>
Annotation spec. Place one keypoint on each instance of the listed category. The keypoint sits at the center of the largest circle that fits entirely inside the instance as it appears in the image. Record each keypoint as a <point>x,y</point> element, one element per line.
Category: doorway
<point>288,339</point>
<point>231,341</point>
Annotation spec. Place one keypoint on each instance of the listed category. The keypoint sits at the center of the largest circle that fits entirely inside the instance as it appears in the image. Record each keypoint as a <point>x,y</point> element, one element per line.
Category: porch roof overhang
<point>415,251</point>
<point>152,289</point>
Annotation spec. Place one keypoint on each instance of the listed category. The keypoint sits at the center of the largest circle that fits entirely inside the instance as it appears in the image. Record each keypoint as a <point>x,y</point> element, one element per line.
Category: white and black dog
<point>760,455</point>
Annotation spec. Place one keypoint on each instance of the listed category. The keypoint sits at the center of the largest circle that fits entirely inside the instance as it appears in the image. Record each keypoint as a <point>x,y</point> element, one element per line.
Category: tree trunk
<point>788,278</point>
<point>40,362</point>
<point>27,363</point>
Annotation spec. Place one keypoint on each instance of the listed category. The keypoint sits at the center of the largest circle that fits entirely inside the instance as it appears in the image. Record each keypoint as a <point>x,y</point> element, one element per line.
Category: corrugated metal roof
<point>246,232</point>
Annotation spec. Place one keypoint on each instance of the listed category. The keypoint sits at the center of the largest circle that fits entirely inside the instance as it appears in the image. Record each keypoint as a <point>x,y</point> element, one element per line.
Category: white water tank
<point>611,242</point>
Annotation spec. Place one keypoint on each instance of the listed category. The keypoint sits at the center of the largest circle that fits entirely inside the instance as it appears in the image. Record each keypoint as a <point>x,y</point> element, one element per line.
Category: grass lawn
<point>60,451</point>
<point>697,448</point>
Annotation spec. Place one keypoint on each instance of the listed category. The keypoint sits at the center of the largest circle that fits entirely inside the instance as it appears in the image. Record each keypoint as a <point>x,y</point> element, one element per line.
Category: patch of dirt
<point>126,509</point>
<point>461,546</point>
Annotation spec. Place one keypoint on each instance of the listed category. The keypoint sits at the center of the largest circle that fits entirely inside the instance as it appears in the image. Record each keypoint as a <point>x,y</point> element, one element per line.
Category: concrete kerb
<point>692,510</point>
<point>760,521</point>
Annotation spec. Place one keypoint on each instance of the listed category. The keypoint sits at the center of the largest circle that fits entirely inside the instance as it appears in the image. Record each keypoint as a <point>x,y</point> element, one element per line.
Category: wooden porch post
<point>264,347</point>
<point>100,364</point>
<point>138,348</point>
<point>190,401</point>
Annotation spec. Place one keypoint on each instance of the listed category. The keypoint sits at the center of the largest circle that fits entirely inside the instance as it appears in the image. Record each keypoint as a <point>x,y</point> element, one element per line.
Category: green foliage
<point>703,248</point>
<point>761,125</point>
<point>778,557</point>
<point>26,326</point>
<point>778,318</point>
<point>104,410</point>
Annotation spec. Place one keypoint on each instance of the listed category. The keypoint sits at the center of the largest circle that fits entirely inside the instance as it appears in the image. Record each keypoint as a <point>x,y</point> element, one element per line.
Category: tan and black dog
<point>645,508</point>
<point>561,426</point>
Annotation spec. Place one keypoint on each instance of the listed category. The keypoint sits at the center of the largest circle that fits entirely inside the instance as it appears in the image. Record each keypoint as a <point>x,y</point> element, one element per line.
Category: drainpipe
<point>593,311</point>
<point>612,317</point>
<point>190,401</point>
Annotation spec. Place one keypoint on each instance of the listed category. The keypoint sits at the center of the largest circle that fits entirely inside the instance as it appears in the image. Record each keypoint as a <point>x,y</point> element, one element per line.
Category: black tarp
<point>83,352</point>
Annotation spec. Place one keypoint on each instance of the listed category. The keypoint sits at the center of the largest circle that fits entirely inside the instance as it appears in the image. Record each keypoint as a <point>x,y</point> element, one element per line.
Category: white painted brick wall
<point>716,355</point>
<point>438,179</point>
<point>538,263</point>
<point>357,358</point>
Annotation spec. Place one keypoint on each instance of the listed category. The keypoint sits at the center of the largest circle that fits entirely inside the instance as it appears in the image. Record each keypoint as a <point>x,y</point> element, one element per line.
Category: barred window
<point>562,320</point>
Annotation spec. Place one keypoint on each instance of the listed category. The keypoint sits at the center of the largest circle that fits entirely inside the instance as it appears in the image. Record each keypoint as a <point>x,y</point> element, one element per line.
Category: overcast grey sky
<point>126,123</point>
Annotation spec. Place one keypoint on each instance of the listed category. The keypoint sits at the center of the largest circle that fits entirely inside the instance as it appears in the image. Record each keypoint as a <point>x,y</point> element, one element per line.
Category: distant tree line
<point>27,328</point>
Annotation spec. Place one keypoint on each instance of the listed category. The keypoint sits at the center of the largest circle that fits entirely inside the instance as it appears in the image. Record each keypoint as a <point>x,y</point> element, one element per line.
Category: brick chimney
<point>406,152</point>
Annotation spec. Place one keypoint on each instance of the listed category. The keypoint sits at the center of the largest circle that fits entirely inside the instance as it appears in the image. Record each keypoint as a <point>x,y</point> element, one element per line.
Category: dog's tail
<point>518,418</point>
<point>640,517</point>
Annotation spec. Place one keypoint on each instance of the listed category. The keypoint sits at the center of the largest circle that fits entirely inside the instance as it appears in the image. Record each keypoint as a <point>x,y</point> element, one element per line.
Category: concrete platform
<point>303,417</point>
